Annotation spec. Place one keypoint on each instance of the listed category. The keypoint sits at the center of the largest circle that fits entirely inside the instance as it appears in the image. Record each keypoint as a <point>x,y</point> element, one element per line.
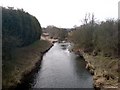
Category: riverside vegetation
<point>21,45</point>
<point>97,42</point>
<point>56,33</point>
<point>100,46</point>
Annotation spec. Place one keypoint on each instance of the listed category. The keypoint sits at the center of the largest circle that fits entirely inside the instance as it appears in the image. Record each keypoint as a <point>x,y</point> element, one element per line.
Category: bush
<point>93,36</point>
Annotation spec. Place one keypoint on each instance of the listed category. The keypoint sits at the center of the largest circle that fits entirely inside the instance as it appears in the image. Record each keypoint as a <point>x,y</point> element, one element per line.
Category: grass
<point>104,67</point>
<point>23,60</point>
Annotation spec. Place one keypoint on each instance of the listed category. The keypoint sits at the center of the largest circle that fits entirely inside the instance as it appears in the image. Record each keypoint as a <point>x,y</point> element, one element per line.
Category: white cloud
<point>65,13</point>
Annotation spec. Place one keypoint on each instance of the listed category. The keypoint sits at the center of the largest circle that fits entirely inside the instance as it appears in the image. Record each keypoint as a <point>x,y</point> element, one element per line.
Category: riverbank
<point>104,71</point>
<point>24,61</point>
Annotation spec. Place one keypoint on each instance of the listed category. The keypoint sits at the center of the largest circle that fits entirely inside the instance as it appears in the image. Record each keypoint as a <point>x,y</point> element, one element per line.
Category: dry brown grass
<point>106,70</point>
<point>23,60</point>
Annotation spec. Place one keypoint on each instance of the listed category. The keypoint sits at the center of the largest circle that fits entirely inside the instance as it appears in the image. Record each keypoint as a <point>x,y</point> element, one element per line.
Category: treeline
<point>19,28</point>
<point>55,32</point>
<point>93,37</point>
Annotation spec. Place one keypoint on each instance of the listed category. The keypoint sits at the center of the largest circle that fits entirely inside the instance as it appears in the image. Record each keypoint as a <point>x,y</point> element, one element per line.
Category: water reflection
<point>62,69</point>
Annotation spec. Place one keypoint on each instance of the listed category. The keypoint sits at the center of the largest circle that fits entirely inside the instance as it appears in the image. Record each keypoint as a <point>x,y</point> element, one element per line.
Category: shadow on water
<point>28,79</point>
<point>79,65</point>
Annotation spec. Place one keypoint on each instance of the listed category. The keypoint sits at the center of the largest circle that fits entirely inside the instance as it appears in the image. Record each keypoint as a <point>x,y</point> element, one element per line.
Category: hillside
<point>20,31</point>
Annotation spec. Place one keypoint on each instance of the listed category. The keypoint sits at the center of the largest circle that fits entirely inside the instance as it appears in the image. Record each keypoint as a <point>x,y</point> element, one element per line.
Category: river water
<point>62,69</point>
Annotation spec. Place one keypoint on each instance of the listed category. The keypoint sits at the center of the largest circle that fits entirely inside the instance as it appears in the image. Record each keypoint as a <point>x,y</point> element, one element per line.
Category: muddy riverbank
<point>27,78</point>
<point>25,60</point>
<point>103,69</point>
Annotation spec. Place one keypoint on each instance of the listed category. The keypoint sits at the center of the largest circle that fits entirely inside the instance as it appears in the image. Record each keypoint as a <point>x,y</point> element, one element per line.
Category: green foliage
<point>19,29</point>
<point>92,36</point>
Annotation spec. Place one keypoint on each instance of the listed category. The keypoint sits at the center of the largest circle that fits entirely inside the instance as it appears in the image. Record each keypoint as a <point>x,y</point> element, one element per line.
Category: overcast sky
<point>65,13</point>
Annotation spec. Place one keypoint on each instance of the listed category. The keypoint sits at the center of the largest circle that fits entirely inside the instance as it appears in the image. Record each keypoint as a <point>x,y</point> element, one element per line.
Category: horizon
<point>66,13</point>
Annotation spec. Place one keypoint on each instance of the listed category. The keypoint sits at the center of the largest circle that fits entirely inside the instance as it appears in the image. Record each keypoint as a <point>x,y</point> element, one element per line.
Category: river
<point>61,69</point>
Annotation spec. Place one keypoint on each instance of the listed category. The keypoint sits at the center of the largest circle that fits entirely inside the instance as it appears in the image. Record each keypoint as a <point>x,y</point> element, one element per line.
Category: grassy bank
<point>22,62</point>
<point>104,70</point>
